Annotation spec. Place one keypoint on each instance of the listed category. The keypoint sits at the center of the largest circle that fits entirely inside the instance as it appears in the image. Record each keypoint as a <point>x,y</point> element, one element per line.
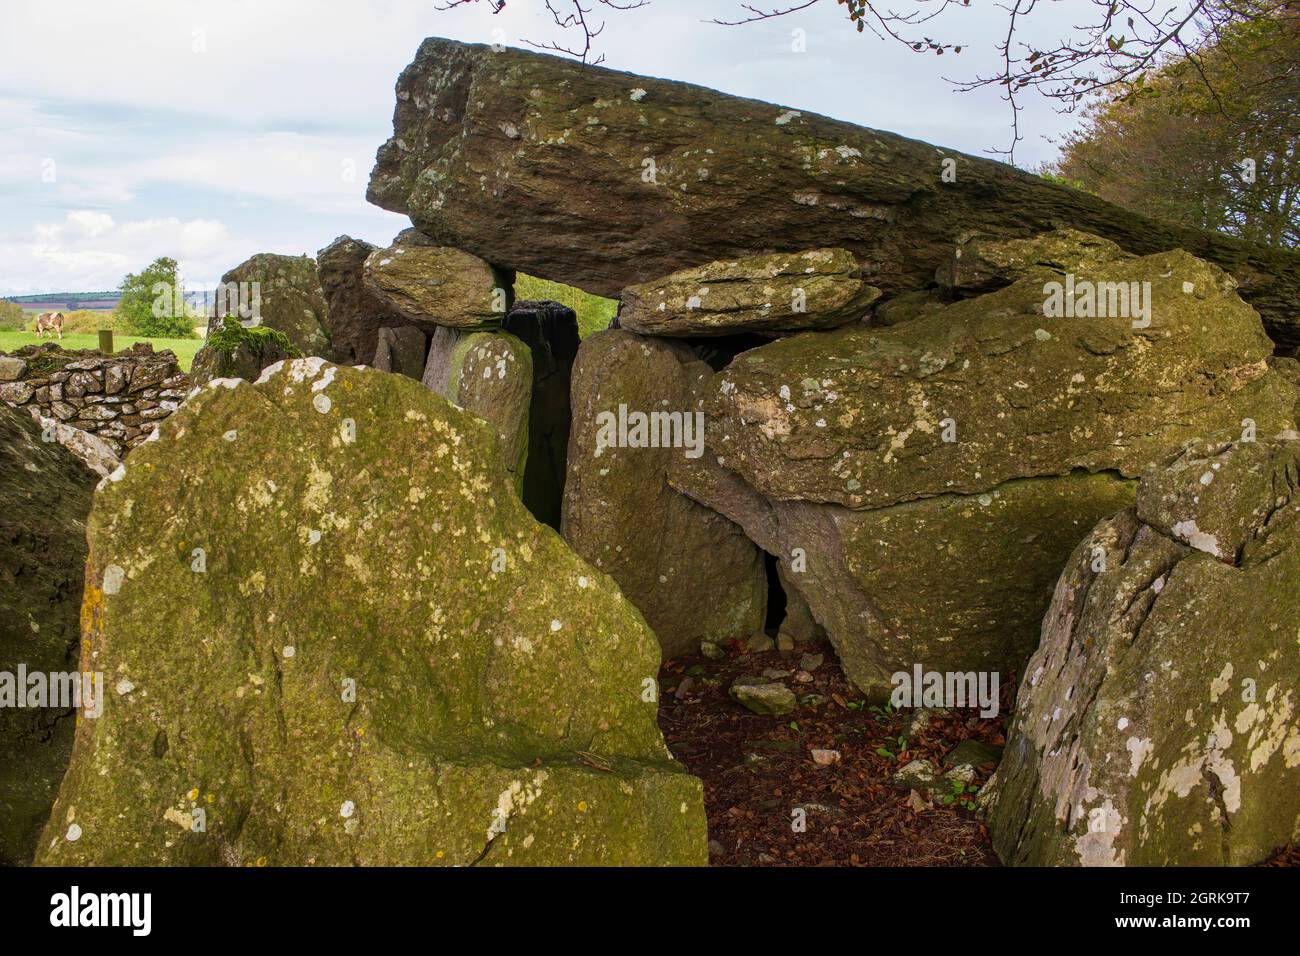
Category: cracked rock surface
<point>1157,724</point>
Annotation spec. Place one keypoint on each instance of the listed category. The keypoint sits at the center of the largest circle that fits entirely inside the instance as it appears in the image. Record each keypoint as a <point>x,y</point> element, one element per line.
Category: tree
<point>12,315</point>
<point>1111,48</point>
<point>153,302</point>
<point>1211,142</point>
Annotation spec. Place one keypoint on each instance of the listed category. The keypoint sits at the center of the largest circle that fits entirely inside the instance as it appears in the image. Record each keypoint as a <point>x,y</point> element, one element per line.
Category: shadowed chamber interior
<point>550,330</point>
<point>776,600</point>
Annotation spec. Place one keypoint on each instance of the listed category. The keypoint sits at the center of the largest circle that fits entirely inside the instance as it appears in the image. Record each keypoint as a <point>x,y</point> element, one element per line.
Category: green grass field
<point>594,312</point>
<point>184,348</point>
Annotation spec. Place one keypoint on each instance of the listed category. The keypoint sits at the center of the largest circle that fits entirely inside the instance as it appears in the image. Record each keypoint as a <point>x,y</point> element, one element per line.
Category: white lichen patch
<point>1187,532</point>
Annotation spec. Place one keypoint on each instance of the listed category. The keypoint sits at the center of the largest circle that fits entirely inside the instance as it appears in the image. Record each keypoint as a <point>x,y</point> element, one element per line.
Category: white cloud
<point>317,172</point>
<point>89,251</point>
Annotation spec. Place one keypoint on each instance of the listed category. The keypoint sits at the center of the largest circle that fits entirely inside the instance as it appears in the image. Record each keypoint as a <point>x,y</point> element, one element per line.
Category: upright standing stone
<point>355,314</point>
<point>397,664</point>
<point>690,571</point>
<point>550,330</point>
<point>400,350</point>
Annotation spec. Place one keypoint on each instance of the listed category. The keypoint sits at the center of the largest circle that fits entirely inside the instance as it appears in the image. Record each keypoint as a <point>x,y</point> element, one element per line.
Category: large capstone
<point>779,292</point>
<point>1158,723</point>
<point>603,179</point>
<point>932,477</point>
<point>690,571</point>
<point>45,494</point>
<point>349,643</point>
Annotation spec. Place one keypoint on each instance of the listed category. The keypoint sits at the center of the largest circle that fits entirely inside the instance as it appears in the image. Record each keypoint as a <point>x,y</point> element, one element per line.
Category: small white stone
<point>347,809</point>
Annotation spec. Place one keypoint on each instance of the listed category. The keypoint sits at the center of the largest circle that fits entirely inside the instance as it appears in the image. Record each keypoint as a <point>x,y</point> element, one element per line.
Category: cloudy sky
<point>209,130</point>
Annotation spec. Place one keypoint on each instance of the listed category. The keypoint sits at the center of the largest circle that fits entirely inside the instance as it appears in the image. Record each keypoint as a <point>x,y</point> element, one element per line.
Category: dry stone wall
<point>118,398</point>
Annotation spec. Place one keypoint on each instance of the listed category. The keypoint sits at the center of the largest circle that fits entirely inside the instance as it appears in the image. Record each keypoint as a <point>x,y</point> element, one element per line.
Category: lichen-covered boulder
<point>355,314</point>
<point>289,299</point>
<point>439,285</point>
<point>234,350</point>
<point>45,496</point>
<point>778,292</point>
<point>981,263</point>
<point>1159,721</point>
<point>491,375</point>
<point>933,476</point>
<point>690,571</point>
<point>953,582</point>
<point>350,644</point>
<point>991,389</point>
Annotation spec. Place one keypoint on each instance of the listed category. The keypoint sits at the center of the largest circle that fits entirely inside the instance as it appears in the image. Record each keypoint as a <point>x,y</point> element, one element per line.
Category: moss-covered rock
<point>1159,723</point>
<point>234,350</point>
<point>45,496</point>
<point>290,299</point>
<point>689,570</point>
<point>439,285</point>
<point>990,389</point>
<point>349,643</point>
<point>777,292</point>
<point>980,263</point>
<point>932,477</point>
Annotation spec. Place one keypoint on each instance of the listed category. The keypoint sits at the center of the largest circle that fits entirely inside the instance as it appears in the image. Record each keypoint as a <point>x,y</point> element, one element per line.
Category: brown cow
<point>51,322</point>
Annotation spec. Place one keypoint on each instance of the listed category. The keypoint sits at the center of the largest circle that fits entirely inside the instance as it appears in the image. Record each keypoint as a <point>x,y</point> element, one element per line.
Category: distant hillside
<point>67,301</point>
<point>95,301</point>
